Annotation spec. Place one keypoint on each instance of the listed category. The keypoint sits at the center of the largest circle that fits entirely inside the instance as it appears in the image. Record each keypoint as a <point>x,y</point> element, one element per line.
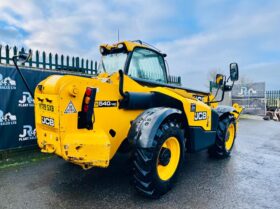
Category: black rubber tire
<point>145,178</point>
<point>218,150</point>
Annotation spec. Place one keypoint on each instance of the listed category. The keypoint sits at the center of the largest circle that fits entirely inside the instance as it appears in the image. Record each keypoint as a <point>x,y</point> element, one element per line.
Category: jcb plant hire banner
<point>251,96</point>
<point>17,106</point>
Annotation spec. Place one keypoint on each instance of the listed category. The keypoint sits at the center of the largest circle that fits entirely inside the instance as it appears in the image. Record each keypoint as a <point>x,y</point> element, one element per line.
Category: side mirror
<point>234,73</point>
<point>219,79</point>
<point>24,57</point>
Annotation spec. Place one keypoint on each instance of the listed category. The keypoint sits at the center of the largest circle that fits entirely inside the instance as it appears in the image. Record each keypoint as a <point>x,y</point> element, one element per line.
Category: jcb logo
<point>48,121</point>
<point>26,101</point>
<point>28,133</point>
<point>200,116</point>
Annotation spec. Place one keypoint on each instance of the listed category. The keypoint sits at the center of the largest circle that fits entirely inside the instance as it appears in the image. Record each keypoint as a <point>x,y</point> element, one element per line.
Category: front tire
<point>226,134</point>
<point>154,170</point>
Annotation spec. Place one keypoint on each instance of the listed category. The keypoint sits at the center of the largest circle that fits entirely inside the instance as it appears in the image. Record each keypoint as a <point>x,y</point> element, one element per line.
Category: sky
<point>198,36</point>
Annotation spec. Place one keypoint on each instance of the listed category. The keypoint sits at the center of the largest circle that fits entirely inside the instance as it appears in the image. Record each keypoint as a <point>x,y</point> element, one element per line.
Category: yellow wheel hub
<point>168,159</point>
<point>230,137</point>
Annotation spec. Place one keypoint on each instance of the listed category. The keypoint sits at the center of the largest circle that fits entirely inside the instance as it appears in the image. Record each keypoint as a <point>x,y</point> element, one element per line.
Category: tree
<point>211,76</point>
<point>244,79</point>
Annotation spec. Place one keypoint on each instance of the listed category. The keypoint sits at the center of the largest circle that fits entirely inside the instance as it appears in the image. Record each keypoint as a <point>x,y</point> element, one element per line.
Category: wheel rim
<point>230,137</point>
<point>168,159</point>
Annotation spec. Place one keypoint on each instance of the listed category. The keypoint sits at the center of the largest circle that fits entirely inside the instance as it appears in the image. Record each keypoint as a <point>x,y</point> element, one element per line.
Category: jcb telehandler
<point>130,106</point>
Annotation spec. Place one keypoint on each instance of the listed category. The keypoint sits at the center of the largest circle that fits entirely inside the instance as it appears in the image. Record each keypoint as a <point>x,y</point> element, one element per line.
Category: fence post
<point>82,65</point>
<point>278,99</point>
<point>67,62</point>
<point>95,67</point>
<point>37,58</point>
<point>270,98</point>
<point>77,64</point>
<point>91,67</point>
<point>56,61</point>
<point>87,66</point>
<point>210,84</point>
<point>22,51</point>
<point>7,50</point>
<point>44,59</point>
<point>15,50</point>
<point>73,63</point>
<point>50,60</point>
<point>62,62</point>
<point>0,53</point>
<point>266,98</point>
<point>31,58</point>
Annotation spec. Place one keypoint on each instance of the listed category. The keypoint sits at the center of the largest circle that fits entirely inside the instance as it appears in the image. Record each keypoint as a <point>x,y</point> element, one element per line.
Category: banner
<point>17,128</point>
<point>251,96</point>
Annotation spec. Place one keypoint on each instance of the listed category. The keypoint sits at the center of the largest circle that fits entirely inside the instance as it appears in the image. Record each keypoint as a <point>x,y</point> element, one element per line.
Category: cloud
<point>78,27</point>
<point>241,37</point>
<point>10,34</point>
<point>198,36</point>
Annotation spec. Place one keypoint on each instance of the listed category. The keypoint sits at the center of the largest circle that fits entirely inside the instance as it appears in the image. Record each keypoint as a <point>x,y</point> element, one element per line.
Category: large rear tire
<point>226,134</point>
<point>154,170</point>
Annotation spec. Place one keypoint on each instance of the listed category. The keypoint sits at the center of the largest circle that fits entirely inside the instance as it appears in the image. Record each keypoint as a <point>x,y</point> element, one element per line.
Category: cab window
<point>148,65</point>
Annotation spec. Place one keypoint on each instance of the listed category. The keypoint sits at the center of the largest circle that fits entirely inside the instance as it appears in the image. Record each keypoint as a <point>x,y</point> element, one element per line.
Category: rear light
<point>87,100</point>
<point>85,108</point>
<point>86,114</point>
<point>88,91</point>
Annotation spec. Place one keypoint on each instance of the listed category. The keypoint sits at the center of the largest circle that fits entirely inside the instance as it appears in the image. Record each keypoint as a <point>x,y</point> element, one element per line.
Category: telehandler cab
<point>130,106</point>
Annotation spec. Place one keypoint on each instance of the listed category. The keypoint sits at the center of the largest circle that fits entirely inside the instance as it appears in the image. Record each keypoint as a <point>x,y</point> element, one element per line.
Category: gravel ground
<point>248,179</point>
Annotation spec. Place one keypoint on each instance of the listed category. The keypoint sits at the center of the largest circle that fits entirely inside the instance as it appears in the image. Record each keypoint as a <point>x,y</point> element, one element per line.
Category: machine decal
<point>105,103</point>
<point>46,107</point>
<point>48,121</point>
<point>193,107</point>
<point>200,98</point>
<point>200,116</point>
<point>70,108</point>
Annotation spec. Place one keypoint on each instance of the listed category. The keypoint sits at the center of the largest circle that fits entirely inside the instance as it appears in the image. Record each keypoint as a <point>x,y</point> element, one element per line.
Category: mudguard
<point>145,126</point>
<point>222,109</point>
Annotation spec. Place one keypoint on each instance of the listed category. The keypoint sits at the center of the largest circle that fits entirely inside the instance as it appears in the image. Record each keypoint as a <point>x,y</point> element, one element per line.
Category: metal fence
<point>272,99</point>
<point>174,80</point>
<point>49,61</point>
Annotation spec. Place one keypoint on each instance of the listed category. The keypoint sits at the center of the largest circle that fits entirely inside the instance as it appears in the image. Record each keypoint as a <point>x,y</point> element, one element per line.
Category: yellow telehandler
<point>130,106</point>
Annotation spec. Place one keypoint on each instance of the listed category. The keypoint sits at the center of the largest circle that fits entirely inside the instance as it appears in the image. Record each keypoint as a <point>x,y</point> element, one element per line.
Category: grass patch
<point>23,159</point>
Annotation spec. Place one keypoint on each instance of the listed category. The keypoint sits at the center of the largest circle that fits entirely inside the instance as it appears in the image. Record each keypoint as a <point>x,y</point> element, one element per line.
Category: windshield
<point>111,63</point>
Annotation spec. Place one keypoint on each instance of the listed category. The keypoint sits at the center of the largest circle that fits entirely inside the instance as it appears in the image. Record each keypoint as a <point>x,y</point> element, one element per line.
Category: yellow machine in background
<point>130,106</point>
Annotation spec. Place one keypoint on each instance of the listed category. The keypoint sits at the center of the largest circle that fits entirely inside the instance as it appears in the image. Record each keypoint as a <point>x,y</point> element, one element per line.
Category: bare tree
<point>244,79</point>
<point>211,76</point>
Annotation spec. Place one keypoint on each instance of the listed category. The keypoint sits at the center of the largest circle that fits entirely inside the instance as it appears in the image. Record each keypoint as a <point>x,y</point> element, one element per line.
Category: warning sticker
<point>70,108</point>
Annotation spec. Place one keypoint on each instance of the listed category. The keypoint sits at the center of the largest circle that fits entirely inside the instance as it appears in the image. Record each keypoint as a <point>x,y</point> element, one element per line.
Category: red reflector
<point>85,108</point>
<point>88,91</point>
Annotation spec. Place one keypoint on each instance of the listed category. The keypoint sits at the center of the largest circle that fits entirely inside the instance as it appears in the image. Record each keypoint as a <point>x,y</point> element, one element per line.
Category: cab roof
<point>130,45</point>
